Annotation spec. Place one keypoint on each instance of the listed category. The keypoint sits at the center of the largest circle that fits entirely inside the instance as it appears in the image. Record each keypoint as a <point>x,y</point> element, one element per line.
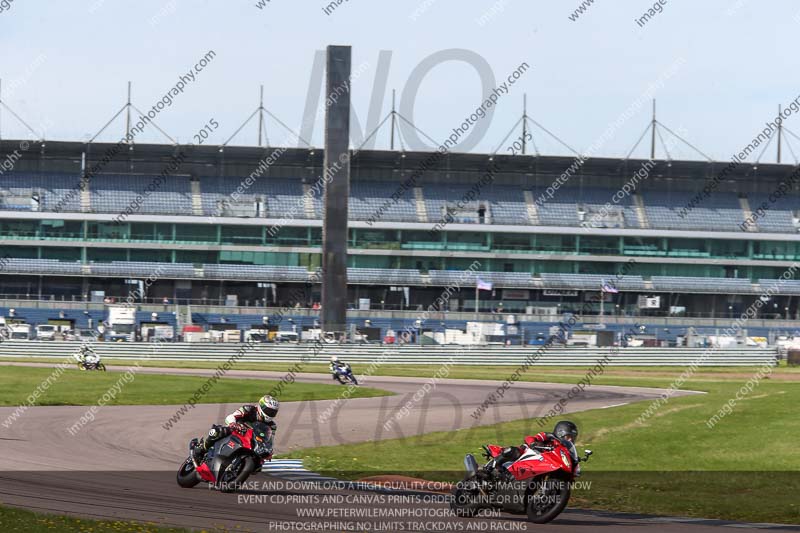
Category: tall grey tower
<point>337,189</point>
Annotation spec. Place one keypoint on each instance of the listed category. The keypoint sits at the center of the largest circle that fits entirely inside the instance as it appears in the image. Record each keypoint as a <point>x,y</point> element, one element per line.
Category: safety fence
<point>405,355</point>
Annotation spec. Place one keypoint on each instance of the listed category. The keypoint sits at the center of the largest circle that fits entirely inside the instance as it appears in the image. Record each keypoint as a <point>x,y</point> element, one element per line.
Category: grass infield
<point>18,520</point>
<point>74,387</point>
<point>744,468</point>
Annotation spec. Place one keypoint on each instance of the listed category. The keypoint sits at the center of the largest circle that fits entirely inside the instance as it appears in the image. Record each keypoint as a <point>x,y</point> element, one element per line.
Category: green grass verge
<point>74,387</point>
<point>15,520</point>
<point>745,468</point>
<point>645,376</point>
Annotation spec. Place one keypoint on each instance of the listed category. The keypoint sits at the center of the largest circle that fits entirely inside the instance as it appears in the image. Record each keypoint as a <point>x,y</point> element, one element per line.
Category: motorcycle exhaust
<point>470,465</point>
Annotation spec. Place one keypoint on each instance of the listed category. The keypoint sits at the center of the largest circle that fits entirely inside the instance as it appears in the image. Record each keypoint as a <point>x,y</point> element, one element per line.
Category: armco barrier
<point>462,355</point>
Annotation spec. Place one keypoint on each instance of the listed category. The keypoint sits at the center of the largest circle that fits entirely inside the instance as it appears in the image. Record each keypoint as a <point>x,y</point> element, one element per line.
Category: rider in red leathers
<point>264,411</point>
<point>564,430</point>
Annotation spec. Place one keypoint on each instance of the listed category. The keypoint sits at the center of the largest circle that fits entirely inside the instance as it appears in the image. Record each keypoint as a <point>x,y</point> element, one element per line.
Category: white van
<point>46,332</point>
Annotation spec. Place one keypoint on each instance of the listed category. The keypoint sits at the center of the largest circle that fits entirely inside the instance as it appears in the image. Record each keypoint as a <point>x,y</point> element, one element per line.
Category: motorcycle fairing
<point>533,463</point>
<point>227,448</point>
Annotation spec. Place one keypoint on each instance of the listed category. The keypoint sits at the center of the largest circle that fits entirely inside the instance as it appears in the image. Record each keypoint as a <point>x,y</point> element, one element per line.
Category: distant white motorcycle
<point>89,360</point>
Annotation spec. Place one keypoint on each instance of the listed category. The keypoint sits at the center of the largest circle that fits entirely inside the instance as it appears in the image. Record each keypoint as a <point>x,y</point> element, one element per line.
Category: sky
<point>65,68</point>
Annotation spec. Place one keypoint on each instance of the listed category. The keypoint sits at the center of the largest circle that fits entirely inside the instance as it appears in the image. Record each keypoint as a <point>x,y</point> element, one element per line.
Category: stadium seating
<point>366,199</point>
<point>255,272</point>
<point>372,276</point>
<point>720,211</point>
<point>777,217</point>
<point>468,278</point>
<point>699,284</point>
<point>142,269</point>
<point>789,287</point>
<point>591,281</point>
<point>117,193</point>
<point>55,192</point>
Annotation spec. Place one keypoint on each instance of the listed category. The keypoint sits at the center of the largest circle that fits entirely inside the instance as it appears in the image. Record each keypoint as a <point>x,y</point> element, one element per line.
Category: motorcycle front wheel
<point>462,504</point>
<point>101,366</point>
<point>547,499</point>
<point>187,475</point>
<point>235,473</point>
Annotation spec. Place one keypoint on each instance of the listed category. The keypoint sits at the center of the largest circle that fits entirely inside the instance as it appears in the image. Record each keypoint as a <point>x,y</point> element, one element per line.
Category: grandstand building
<point>242,226</point>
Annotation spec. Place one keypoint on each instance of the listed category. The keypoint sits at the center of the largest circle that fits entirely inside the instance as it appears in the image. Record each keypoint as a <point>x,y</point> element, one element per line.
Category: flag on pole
<point>483,285</point>
<point>607,287</point>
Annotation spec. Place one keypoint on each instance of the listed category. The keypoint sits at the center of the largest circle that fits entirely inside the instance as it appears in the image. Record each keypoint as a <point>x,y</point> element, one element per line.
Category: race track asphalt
<point>122,464</point>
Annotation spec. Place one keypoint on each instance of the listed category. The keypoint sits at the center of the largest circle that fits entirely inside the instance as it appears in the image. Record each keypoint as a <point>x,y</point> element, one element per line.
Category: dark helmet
<point>564,429</point>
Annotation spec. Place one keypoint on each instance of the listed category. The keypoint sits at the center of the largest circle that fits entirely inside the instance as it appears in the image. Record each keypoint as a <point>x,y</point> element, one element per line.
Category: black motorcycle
<point>231,460</point>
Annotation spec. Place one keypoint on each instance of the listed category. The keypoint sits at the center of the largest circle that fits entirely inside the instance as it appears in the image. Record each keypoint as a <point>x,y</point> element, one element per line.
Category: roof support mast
<point>780,128</point>
<point>394,122</point>
<point>653,133</point>
<point>524,122</point>
<point>128,118</point>
<point>260,115</point>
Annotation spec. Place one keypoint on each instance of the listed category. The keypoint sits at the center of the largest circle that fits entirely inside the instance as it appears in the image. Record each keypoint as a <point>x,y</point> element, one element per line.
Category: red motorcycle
<point>231,460</point>
<point>538,482</point>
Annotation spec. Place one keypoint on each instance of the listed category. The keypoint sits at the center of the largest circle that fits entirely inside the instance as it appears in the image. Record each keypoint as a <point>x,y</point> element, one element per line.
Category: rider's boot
<point>198,451</point>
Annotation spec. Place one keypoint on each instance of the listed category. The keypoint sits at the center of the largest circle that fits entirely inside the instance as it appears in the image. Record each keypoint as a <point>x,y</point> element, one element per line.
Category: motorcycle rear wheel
<point>548,501</point>
<point>187,475</point>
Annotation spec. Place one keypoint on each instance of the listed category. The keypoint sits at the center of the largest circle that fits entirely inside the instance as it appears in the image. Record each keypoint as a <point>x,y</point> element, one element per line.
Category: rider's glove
<point>239,428</point>
<point>540,437</point>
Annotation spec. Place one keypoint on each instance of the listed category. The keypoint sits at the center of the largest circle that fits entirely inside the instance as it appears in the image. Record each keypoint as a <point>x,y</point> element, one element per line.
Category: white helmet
<point>268,407</point>
<point>334,359</point>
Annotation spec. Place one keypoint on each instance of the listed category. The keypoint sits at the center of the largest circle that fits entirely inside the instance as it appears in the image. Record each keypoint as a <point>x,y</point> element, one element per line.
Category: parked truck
<point>121,324</point>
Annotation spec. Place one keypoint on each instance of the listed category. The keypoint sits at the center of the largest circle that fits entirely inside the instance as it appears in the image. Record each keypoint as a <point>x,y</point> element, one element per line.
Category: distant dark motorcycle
<point>231,460</point>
